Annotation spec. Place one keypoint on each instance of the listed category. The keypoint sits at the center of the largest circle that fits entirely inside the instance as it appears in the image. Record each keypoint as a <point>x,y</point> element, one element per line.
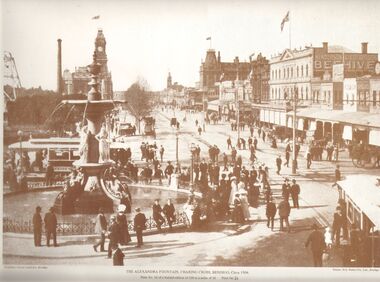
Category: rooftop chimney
<point>218,56</point>
<point>325,46</point>
<point>364,47</point>
<point>59,68</point>
<point>236,59</point>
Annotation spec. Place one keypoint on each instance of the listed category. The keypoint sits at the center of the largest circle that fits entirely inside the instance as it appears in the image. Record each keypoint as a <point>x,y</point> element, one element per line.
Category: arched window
<point>301,71</point>
<point>307,70</point>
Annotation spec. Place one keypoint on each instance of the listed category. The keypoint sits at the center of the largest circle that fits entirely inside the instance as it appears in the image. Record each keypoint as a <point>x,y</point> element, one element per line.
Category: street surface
<point>258,246</point>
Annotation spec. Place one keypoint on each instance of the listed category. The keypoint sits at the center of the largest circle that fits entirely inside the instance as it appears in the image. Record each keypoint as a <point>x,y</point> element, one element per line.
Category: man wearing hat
<point>37,227</point>
<point>101,229</point>
<point>294,192</point>
<point>158,174</point>
<point>113,235</point>
<point>286,189</point>
<point>157,210</point>
<point>318,245</point>
<point>139,225</point>
<point>51,227</point>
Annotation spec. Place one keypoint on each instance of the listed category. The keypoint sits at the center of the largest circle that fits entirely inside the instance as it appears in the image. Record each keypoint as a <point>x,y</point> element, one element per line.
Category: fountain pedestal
<point>92,193</point>
<point>92,198</point>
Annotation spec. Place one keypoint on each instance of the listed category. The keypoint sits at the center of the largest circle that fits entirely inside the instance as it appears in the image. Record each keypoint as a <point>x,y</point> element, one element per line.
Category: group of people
<point>117,231</point>
<point>50,224</point>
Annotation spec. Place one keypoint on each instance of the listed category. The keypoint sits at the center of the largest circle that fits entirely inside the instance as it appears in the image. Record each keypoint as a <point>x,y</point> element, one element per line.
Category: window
<point>291,72</point>
<point>287,75</point>
<point>298,71</point>
<point>301,71</point>
<point>301,93</point>
<point>307,70</point>
<point>317,96</point>
<point>347,99</point>
<point>328,96</point>
<point>307,94</point>
<point>283,73</point>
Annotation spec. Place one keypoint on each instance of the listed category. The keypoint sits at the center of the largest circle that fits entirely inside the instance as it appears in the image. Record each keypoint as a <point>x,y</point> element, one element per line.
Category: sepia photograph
<point>190,140</point>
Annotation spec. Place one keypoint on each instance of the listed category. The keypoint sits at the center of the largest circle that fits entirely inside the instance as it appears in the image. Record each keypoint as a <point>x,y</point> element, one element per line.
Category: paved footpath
<point>258,246</point>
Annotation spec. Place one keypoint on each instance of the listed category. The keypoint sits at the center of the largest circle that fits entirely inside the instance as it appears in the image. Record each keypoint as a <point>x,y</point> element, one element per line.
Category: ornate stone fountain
<point>93,192</point>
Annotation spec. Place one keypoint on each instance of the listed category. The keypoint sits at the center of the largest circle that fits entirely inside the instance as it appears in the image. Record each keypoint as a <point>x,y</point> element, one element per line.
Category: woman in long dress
<point>234,190</point>
<point>104,150</point>
<point>244,199</point>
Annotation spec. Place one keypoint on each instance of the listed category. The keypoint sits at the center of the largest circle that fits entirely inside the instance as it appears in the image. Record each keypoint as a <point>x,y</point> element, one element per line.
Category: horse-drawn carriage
<point>365,156</point>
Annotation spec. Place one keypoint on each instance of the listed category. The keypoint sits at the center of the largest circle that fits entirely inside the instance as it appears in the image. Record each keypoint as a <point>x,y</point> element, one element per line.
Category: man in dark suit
<point>318,245</point>
<point>284,212</point>
<point>294,192</point>
<point>37,227</point>
<point>113,235</point>
<point>101,229</point>
<point>169,211</point>
<point>51,227</point>
<point>139,226</point>
<point>157,210</point>
<point>270,213</point>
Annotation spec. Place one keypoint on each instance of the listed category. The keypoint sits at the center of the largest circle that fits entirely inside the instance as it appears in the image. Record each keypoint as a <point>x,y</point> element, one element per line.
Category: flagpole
<point>290,33</point>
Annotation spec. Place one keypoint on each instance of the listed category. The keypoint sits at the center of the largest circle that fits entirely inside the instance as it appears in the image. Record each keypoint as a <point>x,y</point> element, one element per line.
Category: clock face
<point>377,68</point>
<point>100,48</point>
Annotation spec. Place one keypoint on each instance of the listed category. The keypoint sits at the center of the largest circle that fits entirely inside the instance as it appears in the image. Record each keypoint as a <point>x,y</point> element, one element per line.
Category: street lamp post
<point>176,146</point>
<point>204,111</point>
<point>192,150</point>
<point>20,134</point>
<point>294,161</point>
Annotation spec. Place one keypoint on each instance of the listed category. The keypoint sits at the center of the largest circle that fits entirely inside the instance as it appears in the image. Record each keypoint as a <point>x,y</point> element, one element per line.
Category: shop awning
<point>355,118</point>
<point>347,132</point>
<point>374,138</point>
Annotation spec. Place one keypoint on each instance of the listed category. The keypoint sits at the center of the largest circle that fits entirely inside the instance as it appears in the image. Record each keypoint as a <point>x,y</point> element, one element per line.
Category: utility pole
<point>176,147</point>
<point>204,111</point>
<point>294,161</point>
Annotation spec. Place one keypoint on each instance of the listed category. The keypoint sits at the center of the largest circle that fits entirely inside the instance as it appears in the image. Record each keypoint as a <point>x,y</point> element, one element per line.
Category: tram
<point>361,195</point>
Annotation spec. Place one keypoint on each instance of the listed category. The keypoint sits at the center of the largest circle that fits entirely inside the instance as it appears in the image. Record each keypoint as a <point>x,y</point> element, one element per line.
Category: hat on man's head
<point>121,208</point>
<point>137,209</point>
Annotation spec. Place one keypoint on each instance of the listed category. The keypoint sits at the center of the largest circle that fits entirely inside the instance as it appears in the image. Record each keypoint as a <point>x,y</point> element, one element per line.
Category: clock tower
<point>100,50</point>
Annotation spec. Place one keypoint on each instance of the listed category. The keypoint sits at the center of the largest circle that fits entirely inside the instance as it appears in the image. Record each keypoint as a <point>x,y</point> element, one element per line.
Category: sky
<point>147,38</point>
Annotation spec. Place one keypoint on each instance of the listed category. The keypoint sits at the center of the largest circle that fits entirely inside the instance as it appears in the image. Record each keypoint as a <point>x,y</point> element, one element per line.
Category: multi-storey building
<point>213,70</point>
<point>77,81</point>
<point>329,80</point>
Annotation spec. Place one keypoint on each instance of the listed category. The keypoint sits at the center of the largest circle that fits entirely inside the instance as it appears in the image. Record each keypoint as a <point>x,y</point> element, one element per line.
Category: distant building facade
<point>213,70</point>
<point>77,82</point>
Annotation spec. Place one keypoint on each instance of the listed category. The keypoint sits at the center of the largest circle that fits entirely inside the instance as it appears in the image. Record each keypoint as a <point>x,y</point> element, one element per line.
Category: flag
<point>284,20</point>
<point>96,17</point>
<point>208,38</point>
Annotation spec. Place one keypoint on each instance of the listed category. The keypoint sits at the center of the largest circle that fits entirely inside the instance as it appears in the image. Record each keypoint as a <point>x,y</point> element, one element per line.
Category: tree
<point>139,100</point>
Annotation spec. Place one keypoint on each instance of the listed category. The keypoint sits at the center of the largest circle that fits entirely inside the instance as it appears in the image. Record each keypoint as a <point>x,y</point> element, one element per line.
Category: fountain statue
<point>94,163</point>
